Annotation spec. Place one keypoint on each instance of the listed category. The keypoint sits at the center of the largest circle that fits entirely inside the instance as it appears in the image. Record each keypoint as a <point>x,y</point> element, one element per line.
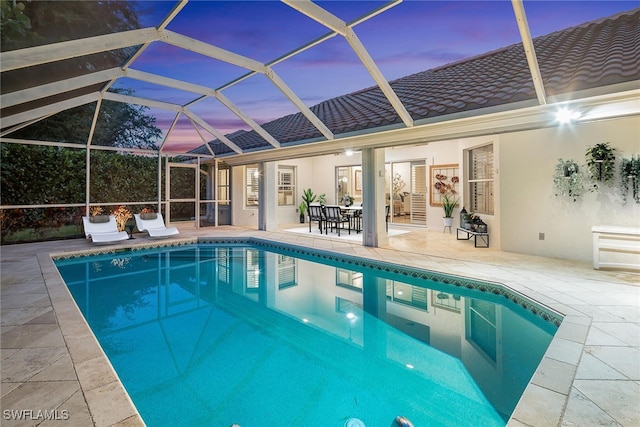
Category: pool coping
<point>100,383</point>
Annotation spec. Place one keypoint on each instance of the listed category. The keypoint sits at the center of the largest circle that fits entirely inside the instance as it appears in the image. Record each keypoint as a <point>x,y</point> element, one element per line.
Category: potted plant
<point>477,224</point>
<point>309,197</point>
<point>347,199</point>
<point>630,173</point>
<point>122,215</point>
<point>449,202</point>
<point>467,222</point>
<point>97,215</point>
<point>601,164</point>
<point>303,210</point>
<point>568,179</point>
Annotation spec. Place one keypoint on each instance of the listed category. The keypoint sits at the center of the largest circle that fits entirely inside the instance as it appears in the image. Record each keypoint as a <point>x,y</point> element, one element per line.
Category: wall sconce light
<point>348,152</point>
<point>566,115</point>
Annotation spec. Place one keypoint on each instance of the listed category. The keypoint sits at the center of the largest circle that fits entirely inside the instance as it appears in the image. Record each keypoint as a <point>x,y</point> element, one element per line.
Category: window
<point>251,183</point>
<point>252,266</point>
<point>224,186</point>
<point>410,295</point>
<point>349,279</point>
<point>481,329</point>
<point>481,180</point>
<point>286,185</point>
<point>223,256</point>
<point>286,271</point>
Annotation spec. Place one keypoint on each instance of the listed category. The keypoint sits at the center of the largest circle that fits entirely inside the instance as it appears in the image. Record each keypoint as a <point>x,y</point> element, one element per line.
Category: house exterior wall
<point>528,204</point>
<point>525,204</point>
<point>248,216</point>
<point>241,215</point>
<point>324,177</point>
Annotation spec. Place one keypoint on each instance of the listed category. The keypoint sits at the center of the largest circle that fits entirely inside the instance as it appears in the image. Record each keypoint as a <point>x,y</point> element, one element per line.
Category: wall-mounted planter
<point>601,164</point>
<point>630,178</point>
<point>568,180</point>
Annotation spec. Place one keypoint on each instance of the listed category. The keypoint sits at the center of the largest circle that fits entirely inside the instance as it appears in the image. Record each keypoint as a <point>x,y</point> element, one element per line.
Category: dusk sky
<point>410,37</point>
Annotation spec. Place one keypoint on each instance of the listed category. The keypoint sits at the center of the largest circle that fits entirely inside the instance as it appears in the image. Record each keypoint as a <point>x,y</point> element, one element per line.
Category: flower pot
<point>301,218</point>
<point>466,225</point>
<point>448,221</point>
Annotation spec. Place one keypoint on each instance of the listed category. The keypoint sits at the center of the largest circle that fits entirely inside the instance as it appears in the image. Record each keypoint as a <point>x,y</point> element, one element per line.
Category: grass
<point>29,235</point>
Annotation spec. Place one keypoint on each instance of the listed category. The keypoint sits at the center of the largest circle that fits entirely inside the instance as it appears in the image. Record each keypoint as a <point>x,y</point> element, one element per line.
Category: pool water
<point>212,335</point>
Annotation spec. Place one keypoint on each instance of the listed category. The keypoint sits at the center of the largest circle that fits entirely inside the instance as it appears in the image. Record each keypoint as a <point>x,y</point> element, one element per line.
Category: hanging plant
<point>630,174</point>
<point>568,179</point>
<point>601,164</point>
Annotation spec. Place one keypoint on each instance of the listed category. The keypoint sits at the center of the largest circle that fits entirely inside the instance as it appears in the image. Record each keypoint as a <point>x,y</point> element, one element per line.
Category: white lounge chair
<point>155,226</point>
<point>104,230</point>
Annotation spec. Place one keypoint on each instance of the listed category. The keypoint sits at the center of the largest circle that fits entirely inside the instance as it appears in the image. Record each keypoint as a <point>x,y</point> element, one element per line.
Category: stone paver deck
<point>590,374</point>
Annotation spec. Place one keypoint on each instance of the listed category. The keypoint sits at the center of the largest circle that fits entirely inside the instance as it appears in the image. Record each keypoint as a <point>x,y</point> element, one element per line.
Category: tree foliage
<point>123,177</point>
<point>14,24</point>
<point>44,175</point>
<point>37,23</point>
<point>119,125</point>
<point>38,175</point>
<point>125,125</point>
<point>33,23</point>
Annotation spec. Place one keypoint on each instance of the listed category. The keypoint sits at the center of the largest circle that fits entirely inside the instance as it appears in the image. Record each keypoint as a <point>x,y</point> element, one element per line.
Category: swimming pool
<point>215,334</point>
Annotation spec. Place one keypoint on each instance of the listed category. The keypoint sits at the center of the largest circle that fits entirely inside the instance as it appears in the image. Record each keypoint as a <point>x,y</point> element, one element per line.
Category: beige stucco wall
<point>524,194</point>
<point>248,216</point>
<point>528,205</point>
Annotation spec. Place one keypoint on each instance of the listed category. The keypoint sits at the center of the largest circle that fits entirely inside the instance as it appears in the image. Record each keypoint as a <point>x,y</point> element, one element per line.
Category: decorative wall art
<point>444,180</point>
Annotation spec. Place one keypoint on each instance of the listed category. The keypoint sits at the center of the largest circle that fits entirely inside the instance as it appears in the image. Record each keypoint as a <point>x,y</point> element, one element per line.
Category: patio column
<point>373,189</point>
<point>266,197</point>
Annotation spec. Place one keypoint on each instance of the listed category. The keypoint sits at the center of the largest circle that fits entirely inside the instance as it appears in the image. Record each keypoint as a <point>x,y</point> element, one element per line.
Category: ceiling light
<point>566,115</point>
<point>349,152</point>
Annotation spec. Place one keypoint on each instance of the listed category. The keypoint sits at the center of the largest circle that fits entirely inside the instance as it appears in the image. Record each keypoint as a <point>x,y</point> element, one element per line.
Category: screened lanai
<point>151,104</point>
<point>193,108</point>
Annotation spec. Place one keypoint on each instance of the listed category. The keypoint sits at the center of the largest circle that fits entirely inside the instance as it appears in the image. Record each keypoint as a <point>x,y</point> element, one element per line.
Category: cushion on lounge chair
<point>98,219</point>
<point>148,215</point>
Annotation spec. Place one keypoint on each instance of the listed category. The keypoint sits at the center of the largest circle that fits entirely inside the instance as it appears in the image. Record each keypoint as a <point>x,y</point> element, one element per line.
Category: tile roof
<point>594,54</point>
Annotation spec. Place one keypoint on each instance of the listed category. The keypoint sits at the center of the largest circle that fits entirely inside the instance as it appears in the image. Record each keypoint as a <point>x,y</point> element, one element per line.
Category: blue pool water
<point>211,334</point>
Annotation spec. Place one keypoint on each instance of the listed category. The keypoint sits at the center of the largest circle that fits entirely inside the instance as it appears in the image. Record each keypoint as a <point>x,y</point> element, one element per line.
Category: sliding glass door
<point>407,192</point>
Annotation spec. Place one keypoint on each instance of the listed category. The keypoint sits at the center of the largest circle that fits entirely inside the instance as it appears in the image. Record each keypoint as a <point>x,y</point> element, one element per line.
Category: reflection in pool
<point>212,334</point>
